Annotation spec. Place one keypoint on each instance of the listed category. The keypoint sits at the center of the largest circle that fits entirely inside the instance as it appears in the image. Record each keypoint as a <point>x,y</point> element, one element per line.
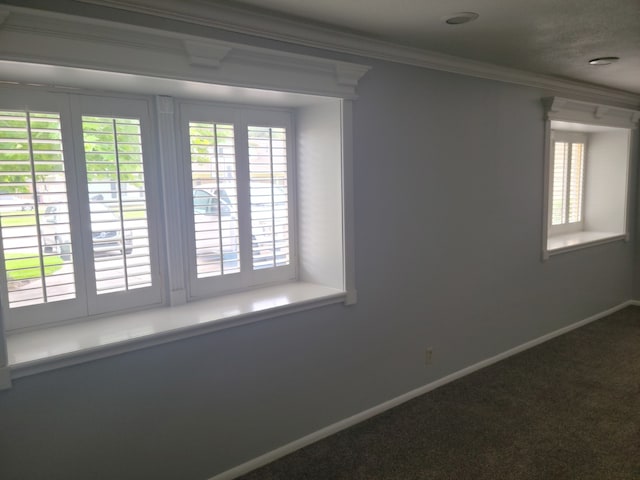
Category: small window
<point>588,174</point>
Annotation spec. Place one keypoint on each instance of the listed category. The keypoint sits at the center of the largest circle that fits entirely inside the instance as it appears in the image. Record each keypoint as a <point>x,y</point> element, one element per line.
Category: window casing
<point>587,164</point>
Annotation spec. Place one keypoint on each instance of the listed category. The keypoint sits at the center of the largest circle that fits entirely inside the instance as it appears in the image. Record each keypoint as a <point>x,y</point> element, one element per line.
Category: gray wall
<point>448,199</point>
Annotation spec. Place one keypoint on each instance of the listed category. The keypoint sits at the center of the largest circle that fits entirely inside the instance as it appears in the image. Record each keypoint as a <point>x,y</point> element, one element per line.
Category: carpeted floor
<point>567,409</point>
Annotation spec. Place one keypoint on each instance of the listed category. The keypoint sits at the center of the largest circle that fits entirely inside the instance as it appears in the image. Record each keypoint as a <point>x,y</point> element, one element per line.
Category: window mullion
<point>77,212</point>
<point>244,201</point>
<point>170,175</point>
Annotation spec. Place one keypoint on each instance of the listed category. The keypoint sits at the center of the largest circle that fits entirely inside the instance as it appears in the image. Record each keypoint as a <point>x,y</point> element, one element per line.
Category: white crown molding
<point>565,109</point>
<point>43,37</point>
<point>262,25</point>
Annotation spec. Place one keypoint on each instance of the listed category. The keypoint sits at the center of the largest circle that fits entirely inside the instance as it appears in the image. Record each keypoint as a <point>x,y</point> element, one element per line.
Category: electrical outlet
<point>428,356</point>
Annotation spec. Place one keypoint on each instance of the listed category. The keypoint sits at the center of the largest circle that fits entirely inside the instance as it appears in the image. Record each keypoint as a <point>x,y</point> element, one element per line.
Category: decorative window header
<point>558,108</point>
<point>39,37</point>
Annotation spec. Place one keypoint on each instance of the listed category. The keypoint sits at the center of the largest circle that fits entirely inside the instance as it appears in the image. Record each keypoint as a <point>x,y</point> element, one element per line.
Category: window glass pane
<point>574,211</point>
<point>559,187</point>
<point>269,198</point>
<point>117,203</point>
<point>34,218</point>
<point>215,198</point>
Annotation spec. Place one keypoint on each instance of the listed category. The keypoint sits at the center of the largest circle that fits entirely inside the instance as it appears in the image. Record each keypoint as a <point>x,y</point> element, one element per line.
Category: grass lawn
<point>28,219</point>
<point>23,268</point>
<point>18,219</point>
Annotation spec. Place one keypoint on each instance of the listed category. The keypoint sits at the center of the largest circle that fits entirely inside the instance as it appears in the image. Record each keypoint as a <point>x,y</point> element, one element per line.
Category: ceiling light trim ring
<point>460,18</point>
<point>603,60</point>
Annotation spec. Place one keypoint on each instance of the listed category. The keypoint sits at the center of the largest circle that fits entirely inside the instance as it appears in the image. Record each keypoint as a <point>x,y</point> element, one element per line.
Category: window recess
<point>587,164</point>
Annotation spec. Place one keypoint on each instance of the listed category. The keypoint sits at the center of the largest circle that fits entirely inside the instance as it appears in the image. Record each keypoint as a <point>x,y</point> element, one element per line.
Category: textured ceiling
<point>555,37</point>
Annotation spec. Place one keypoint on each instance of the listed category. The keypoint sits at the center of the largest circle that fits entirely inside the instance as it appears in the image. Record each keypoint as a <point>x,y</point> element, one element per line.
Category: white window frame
<point>604,216</point>
<point>56,51</point>
<point>86,302</point>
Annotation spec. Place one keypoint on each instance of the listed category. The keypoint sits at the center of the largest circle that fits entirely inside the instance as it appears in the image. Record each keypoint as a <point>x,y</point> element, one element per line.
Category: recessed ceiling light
<point>603,60</point>
<point>460,18</point>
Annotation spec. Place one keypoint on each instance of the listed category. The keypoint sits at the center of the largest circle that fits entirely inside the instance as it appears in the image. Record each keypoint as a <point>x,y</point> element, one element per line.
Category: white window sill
<point>573,241</point>
<point>45,349</point>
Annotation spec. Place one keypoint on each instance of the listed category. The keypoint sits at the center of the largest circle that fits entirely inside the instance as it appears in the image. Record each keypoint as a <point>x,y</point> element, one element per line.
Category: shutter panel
<point>215,198</point>
<point>117,202</point>
<point>269,198</point>
<point>34,217</point>
<point>567,187</point>
<point>574,211</point>
<point>559,188</point>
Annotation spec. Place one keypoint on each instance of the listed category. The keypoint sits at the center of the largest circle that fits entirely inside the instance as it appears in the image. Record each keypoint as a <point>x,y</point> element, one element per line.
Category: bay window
<point>171,186</point>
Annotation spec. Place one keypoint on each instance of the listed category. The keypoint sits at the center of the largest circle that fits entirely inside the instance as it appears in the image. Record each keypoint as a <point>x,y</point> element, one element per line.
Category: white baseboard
<point>378,409</point>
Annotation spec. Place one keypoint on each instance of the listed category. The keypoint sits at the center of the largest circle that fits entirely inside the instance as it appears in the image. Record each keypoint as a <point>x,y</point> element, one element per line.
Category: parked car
<point>211,200</point>
<point>213,209</point>
<point>106,230</point>
<point>13,203</point>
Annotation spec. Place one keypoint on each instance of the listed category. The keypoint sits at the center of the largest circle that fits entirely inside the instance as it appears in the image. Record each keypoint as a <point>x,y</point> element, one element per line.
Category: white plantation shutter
<point>117,202</point>
<point>240,232</point>
<point>559,186</point>
<point>34,216</point>
<point>73,209</point>
<point>269,199</point>
<point>215,198</point>
<point>567,179</point>
<point>576,173</point>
